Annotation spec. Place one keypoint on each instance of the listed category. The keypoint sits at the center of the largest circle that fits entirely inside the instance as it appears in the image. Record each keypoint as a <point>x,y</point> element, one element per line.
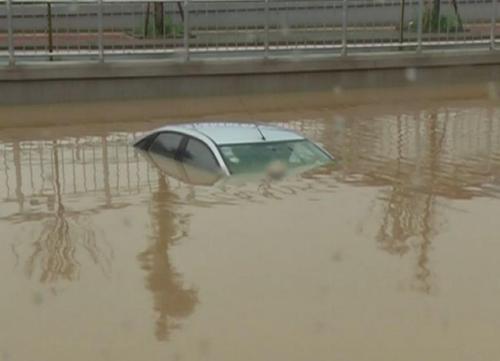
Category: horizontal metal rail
<point>102,30</point>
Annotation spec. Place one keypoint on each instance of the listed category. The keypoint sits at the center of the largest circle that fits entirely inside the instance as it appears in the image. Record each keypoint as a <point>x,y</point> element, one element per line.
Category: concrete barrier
<point>141,79</point>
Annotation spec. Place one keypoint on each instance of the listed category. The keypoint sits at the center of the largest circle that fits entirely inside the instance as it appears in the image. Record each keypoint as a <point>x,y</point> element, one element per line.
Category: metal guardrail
<point>102,29</point>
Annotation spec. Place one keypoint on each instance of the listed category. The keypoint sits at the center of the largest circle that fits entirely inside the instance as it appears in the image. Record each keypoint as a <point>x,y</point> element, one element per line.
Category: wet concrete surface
<point>390,254</point>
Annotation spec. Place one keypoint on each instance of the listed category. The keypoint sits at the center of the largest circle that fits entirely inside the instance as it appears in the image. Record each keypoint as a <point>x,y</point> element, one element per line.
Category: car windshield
<point>257,157</point>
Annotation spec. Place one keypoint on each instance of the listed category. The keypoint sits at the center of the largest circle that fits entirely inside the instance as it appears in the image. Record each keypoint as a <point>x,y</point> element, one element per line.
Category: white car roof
<point>235,133</point>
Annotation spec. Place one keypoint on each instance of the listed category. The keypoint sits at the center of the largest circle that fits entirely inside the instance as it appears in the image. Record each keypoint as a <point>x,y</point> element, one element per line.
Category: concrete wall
<point>77,82</point>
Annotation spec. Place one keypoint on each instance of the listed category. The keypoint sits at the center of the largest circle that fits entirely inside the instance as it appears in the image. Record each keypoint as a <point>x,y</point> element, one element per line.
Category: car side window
<point>197,154</point>
<point>166,144</point>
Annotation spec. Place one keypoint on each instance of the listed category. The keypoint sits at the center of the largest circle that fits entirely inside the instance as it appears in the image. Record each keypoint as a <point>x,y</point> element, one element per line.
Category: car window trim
<point>219,146</point>
<point>146,142</point>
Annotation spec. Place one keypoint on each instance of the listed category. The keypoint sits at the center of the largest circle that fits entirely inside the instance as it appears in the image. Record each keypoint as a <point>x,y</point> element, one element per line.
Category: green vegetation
<point>149,30</point>
<point>435,22</point>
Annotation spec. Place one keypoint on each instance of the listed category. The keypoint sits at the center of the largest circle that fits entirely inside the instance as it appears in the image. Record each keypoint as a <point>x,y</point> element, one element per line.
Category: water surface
<point>391,254</point>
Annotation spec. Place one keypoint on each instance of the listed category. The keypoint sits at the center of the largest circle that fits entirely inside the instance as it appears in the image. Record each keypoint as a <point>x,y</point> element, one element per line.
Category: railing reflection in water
<point>41,177</point>
<point>171,299</point>
<point>434,156</point>
<point>93,164</point>
<point>419,161</point>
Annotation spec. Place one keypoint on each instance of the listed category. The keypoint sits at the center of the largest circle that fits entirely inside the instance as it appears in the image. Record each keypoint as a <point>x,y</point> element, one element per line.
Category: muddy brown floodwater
<point>391,254</point>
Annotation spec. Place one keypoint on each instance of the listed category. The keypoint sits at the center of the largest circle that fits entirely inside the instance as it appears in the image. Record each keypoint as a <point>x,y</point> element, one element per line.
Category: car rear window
<point>256,157</point>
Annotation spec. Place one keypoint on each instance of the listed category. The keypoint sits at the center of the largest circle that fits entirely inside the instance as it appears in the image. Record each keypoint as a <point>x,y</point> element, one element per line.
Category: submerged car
<point>201,153</point>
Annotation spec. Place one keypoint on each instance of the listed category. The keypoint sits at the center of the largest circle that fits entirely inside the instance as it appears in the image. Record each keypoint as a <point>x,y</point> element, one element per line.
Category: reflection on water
<point>411,214</point>
<point>171,299</point>
<point>420,160</point>
<point>417,162</point>
<point>66,235</point>
<point>55,248</point>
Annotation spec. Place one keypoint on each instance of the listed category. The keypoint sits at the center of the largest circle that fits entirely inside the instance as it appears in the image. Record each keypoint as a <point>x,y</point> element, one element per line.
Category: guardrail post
<point>10,33</point>
<point>100,31</point>
<point>186,30</point>
<point>420,22</point>
<point>344,27</point>
<point>493,24</point>
<point>402,23</point>
<point>49,30</point>
<point>266,29</point>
